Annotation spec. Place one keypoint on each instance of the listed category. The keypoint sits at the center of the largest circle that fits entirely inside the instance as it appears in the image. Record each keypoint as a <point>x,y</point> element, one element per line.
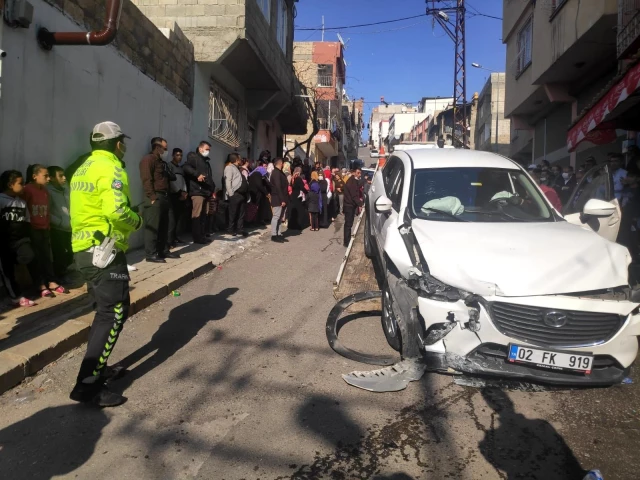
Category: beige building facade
<point>560,54</point>
<point>246,95</point>
<point>492,129</point>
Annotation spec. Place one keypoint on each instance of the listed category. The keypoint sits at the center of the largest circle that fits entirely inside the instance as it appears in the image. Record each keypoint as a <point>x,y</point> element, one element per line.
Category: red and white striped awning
<point>594,127</point>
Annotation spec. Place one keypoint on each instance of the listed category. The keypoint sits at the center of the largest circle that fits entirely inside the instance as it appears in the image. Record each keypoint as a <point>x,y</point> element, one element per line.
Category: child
<point>15,244</point>
<point>37,198</point>
<point>60,221</point>
<point>211,215</point>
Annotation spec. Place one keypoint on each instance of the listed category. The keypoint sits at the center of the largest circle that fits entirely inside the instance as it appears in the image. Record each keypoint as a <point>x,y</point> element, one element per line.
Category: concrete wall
<point>490,104</point>
<point>52,100</point>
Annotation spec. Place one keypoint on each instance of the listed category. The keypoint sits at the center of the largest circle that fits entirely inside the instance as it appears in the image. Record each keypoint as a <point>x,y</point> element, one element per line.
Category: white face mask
<point>566,176</point>
<point>205,153</point>
<point>164,155</point>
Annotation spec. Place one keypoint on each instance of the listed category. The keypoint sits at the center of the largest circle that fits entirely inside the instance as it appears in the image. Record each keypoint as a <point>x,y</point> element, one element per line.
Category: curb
<point>27,358</point>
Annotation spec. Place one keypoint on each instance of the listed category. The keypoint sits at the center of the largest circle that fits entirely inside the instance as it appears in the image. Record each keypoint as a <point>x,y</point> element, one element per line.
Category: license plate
<point>578,362</point>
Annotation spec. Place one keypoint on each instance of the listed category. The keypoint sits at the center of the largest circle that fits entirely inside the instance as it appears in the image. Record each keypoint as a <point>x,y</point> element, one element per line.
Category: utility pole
<point>323,28</point>
<point>442,10</point>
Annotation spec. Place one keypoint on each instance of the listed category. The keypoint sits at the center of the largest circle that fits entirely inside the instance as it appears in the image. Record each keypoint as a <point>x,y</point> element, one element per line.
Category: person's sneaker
<point>245,234</point>
<point>114,373</point>
<point>132,268</point>
<point>277,239</point>
<point>98,395</point>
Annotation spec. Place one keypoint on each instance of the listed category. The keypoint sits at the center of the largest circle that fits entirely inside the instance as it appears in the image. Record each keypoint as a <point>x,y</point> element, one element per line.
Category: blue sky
<point>407,60</point>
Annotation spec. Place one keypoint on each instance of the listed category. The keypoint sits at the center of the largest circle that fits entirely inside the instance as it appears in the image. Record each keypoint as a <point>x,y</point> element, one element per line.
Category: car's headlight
<point>430,287</point>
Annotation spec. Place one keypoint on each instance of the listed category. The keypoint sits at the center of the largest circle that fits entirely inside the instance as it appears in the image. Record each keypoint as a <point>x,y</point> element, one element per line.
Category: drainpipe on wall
<point>48,39</point>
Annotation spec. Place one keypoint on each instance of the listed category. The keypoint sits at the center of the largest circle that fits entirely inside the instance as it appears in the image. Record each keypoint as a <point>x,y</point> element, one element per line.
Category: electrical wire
<point>476,13</point>
<point>363,24</point>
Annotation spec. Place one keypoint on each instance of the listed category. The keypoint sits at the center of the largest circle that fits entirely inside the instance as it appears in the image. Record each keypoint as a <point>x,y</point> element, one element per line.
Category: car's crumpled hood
<point>521,259</point>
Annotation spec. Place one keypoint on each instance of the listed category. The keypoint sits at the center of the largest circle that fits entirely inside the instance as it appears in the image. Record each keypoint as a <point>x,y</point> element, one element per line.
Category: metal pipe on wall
<point>102,37</point>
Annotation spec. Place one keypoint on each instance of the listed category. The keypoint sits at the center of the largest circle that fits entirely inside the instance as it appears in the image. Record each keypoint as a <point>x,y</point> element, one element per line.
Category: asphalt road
<point>234,380</point>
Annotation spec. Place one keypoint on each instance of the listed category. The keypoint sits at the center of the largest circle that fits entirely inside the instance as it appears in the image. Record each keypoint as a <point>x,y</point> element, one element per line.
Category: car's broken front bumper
<point>480,347</point>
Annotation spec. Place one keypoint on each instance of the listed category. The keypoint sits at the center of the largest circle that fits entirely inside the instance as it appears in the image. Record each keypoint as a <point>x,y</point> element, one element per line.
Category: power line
<point>364,24</point>
<point>383,22</point>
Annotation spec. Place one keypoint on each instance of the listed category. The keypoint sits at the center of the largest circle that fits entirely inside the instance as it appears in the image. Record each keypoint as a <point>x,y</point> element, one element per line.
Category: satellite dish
<point>341,41</point>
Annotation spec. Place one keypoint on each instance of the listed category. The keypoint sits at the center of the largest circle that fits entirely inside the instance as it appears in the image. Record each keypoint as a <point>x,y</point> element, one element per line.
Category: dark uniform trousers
<point>349,215</point>
<point>109,288</point>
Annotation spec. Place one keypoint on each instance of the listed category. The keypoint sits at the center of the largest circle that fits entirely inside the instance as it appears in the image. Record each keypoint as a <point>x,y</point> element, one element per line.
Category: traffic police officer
<point>101,213</point>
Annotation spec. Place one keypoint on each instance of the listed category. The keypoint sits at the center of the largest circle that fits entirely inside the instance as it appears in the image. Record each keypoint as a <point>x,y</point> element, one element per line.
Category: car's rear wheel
<point>368,240</point>
<point>390,325</point>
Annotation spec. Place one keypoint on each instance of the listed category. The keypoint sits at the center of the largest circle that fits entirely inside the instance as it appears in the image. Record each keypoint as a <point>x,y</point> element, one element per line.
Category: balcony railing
<point>325,81</point>
<point>628,25</point>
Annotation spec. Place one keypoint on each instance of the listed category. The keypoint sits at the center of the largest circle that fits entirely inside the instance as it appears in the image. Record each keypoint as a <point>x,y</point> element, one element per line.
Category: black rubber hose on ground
<point>333,329</point>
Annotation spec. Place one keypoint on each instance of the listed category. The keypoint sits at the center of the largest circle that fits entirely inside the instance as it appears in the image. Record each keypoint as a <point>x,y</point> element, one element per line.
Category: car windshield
<point>477,194</point>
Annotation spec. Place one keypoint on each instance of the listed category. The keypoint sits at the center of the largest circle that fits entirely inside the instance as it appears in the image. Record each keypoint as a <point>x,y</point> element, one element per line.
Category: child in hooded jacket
<point>15,238</point>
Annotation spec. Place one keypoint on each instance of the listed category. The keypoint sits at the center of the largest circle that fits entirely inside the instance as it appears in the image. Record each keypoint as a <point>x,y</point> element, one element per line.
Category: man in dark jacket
<point>155,176</point>
<point>279,199</point>
<point>351,202</point>
<point>201,186</point>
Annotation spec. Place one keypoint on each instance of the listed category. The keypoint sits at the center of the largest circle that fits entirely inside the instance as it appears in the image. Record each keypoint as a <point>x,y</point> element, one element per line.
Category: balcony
<point>628,39</point>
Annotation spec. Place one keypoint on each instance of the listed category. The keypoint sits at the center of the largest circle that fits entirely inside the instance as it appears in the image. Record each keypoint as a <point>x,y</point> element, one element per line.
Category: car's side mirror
<point>598,208</point>
<point>383,204</point>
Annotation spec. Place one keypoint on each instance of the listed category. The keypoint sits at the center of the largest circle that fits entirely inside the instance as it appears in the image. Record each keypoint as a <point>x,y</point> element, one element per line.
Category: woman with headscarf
<point>324,192</point>
<point>259,192</point>
<point>298,218</point>
<point>314,202</point>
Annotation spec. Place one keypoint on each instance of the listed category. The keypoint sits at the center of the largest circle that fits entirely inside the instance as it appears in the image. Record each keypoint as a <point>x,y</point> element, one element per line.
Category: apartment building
<point>401,124</point>
<point>492,129</point>
<point>560,55</point>
<point>380,116</point>
<point>321,68</point>
<point>246,95</point>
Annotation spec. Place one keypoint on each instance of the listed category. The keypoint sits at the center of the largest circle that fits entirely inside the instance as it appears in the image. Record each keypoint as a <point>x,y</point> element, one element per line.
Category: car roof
<point>456,157</point>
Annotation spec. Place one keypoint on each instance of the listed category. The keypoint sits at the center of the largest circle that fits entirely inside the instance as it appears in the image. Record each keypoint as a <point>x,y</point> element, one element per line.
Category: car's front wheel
<point>389,322</point>
<point>368,240</point>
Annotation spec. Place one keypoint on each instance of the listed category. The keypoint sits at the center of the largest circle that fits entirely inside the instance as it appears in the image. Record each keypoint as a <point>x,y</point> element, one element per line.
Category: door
<point>393,179</point>
<point>597,183</point>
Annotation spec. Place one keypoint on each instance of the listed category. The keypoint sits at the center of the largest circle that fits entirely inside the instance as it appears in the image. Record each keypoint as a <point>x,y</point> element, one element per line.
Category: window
<point>325,75</point>
<point>282,27</point>
<point>477,194</point>
<point>487,132</point>
<point>265,7</point>
<point>525,36</point>
<point>223,116</point>
<point>393,180</point>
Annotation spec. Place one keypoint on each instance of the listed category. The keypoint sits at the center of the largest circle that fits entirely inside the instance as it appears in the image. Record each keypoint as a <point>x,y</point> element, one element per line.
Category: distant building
<point>382,113</point>
<point>401,124</point>
<point>321,68</point>
<point>571,78</point>
<point>492,130</point>
<point>431,105</point>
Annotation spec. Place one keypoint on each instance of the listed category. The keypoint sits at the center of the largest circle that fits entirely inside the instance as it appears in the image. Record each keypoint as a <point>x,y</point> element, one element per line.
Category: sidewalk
<point>31,338</point>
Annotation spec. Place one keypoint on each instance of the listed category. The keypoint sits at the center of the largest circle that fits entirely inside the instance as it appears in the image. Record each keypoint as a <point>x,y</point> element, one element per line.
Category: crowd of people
<point>179,195</point>
<point>560,183</point>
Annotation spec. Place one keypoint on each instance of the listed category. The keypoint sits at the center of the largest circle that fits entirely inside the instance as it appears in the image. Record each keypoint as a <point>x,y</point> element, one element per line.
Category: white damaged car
<point>483,276</point>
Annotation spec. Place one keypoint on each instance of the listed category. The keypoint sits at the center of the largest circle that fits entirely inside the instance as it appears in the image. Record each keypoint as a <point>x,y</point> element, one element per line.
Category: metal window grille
<point>223,116</point>
<point>325,75</point>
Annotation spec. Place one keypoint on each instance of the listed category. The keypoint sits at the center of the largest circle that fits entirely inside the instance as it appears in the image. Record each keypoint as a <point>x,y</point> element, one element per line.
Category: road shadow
<point>525,448</point>
<point>50,443</point>
<point>184,323</point>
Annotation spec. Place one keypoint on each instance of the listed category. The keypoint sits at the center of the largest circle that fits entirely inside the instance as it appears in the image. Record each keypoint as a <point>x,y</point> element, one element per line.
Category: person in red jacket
<point>549,192</point>
<point>37,197</point>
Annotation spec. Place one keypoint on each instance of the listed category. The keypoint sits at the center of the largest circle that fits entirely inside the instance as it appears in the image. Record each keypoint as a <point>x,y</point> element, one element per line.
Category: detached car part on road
<point>483,276</point>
